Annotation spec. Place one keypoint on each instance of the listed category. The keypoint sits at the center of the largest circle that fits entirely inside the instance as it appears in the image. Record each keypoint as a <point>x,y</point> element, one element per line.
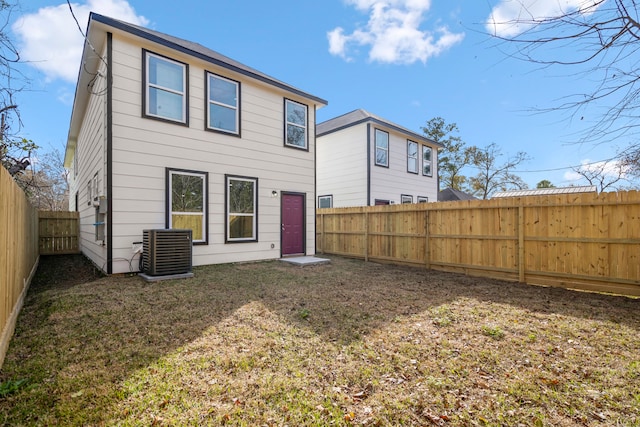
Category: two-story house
<point>166,133</point>
<point>365,160</point>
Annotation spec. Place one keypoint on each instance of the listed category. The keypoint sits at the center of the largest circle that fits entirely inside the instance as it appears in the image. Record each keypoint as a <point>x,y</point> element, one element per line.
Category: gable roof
<point>356,117</point>
<point>97,28</point>
<point>545,191</point>
<point>450,194</point>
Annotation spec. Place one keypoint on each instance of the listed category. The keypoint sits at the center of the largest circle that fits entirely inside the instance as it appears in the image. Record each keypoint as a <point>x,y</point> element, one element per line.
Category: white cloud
<point>510,17</point>
<point>393,33</point>
<point>50,40</point>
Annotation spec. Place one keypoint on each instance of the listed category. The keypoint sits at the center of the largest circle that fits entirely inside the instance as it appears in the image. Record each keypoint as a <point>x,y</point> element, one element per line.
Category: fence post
<point>427,248</point>
<point>322,242</point>
<point>521,260</point>
<point>366,236</point>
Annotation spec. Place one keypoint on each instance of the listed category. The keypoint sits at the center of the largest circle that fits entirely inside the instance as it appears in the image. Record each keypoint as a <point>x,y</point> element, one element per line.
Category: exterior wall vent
<point>166,252</point>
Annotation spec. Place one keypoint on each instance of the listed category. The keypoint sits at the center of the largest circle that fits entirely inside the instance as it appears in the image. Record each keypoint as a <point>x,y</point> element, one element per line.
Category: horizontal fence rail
<point>59,233</point>
<point>582,241</point>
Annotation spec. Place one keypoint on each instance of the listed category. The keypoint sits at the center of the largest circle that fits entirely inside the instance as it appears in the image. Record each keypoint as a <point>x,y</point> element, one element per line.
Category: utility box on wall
<point>166,252</point>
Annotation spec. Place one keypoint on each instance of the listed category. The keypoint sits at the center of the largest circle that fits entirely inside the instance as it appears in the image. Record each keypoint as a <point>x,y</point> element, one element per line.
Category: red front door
<point>293,224</point>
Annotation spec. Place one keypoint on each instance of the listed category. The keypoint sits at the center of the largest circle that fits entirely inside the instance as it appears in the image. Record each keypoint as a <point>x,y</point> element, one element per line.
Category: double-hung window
<point>412,157</point>
<point>187,202</point>
<point>427,162</point>
<point>242,209</point>
<point>165,88</point>
<point>295,124</point>
<point>382,148</point>
<point>223,104</point>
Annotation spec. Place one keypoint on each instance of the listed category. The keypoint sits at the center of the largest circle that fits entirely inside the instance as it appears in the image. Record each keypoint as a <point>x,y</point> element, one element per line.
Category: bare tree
<point>599,39</point>
<point>492,175</point>
<point>15,151</point>
<point>46,182</point>
<point>611,175</point>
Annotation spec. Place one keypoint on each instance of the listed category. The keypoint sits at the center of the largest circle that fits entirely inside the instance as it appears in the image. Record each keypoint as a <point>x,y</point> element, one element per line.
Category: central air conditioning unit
<point>166,252</point>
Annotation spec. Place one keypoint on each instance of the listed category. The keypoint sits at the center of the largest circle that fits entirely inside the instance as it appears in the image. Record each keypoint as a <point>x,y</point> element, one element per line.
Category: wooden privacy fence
<point>18,254</point>
<point>583,241</point>
<point>59,232</point>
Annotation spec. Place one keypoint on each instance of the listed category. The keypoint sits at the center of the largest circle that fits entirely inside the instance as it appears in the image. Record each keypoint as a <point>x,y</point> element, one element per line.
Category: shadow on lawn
<point>76,324</point>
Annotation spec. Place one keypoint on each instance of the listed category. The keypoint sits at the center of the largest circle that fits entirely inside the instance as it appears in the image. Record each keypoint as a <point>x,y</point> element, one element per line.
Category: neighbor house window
<point>412,157</point>
<point>379,202</point>
<point>89,192</point>
<point>325,202</point>
<point>296,124</point>
<point>382,148</point>
<point>423,199</point>
<point>405,198</point>
<point>187,202</point>
<point>427,163</point>
<point>165,88</point>
<point>223,112</point>
<point>242,206</point>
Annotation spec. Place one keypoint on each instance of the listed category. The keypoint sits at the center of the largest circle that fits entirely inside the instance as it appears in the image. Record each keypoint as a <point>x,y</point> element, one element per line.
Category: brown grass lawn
<point>349,343</point>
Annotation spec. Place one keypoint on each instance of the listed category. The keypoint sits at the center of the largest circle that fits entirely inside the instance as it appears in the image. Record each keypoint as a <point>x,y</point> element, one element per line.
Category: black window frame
<point>208,102</point>
<point>375,144</point>
<point>417,158</point>
<point>145,85</point>
<point>227,238</point>
<point>426,147</point>
<point>205,200</point>
<point>402,199</point>
<point>287,123</point>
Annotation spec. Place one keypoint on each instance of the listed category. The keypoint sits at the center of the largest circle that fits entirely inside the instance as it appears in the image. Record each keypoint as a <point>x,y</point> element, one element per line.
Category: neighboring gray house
<point>450,194</point>
<point>166,133</point>
<point>365,160</point>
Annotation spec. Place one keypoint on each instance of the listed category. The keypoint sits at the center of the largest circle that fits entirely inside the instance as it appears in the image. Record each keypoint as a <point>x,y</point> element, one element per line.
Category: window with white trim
<point>165,86</point>
<point>295,124</point>
<point>325,201</point>
<point>187,202</point>
<point>242,206</point>
<point>427,162</point>
<point>382,148</point>
<point>412,157</point>
<point>223,112</point>
<point>423,199</point>
<point>406,198</point>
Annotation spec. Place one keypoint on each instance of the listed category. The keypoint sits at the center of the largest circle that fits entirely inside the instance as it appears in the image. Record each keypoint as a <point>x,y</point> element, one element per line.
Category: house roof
<point>97,28</point>
<point>356,117</point>
<point>449,195</point>
<point>545,191</point>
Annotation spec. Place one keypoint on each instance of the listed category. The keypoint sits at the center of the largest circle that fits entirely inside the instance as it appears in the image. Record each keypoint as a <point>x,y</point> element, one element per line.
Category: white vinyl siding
<point>342,166</point>
<point>90,163</point>
<point>143,149</point>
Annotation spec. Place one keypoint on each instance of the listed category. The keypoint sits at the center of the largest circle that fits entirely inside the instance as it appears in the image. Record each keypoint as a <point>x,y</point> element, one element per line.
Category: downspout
<point>109,153</point>
<point>368,164</point>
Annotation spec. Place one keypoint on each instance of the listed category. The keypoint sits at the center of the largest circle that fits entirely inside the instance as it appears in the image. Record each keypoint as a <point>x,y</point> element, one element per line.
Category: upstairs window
<point>187,202</point>
<point>165,88</point>
<point>427,162</point>
<point>223,112</point>
<point>295,124</point>
<point>382,148</point>
<point>412,157</point>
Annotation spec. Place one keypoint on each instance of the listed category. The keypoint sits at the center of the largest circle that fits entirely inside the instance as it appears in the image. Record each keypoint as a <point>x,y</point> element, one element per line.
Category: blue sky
<point>405,60</point>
